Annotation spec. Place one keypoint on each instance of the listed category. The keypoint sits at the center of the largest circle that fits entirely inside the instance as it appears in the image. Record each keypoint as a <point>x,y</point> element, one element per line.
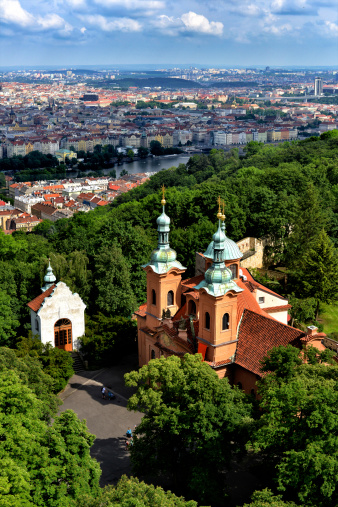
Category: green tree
<point>8,322</point>
<point>130,154</point>
<point>193,423</point>
<point>132,492</point>
<point>51,463</point>
<point>112,281</point>
<point>143,152</point>
<point>319,272</point>
<point>297,428</point>
<point>156,148</point>
<point>107,338</point>
<point>266,498</point>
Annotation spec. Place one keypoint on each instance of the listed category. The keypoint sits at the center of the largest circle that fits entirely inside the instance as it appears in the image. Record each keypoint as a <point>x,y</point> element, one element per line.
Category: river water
<point>150,164</point>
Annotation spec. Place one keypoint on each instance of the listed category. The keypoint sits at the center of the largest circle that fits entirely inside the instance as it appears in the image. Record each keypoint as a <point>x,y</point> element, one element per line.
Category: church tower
<point>164,290</point>
<point>218,303</point>
<point>164,274</point>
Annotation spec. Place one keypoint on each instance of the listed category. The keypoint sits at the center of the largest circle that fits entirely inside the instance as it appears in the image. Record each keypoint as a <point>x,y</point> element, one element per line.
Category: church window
<point>207,320</point>
<point>239,385</point>
<point>153,297</point>
<point>253,393</point>
<point>261,300</point>
<point>191,307</point>
<point>37,325</point>
<point>152,356</point>
<point>233,269</point>
<point>170,298</point>
<point>225,322</point>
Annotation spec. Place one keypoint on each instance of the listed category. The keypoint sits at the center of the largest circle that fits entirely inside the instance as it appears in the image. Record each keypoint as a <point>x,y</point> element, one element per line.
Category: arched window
<point>152,355</point>
<point>63,334</point>
<point>153,297</point>
<point>253,393</point>
<point>207,320</point>
<point>170,298</point>
<point>191,308</point>
<point>225,322</point>
<point>239,385</point>
<point>233,269</point>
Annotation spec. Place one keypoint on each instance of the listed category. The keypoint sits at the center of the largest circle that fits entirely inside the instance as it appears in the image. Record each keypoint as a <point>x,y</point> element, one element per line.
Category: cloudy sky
<point>210,32</point>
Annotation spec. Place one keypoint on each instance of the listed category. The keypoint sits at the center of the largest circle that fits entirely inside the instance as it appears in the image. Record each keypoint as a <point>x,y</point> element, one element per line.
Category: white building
<point>57,315</point>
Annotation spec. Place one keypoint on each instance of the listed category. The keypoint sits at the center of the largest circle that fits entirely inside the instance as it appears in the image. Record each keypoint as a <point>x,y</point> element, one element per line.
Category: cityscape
<point>168,253</point>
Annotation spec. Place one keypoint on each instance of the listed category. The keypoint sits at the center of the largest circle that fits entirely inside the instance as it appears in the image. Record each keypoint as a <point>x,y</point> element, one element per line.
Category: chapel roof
<point>36,303</point>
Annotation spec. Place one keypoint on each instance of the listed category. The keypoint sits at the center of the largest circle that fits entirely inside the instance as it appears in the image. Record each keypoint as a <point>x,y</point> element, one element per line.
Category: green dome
<point>218,275</point>
<point>163,221</point>
<point>49,276</point>
<point>231,250</point>
<point>163,255</point>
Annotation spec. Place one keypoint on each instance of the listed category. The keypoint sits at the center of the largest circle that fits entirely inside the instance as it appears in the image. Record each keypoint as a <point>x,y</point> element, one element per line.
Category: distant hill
<point>152,82</point>
<point>229,84</point>
<point>76,71</point>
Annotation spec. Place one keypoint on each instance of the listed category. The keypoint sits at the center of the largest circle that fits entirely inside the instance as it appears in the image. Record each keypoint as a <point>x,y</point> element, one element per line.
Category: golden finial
<point>223,214</point>
<point>163,199</point>
<point>219,214</point>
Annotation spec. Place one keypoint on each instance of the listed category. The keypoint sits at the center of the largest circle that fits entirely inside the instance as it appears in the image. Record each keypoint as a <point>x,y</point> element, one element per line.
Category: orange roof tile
<point>36,303</point>
<point>257,335</point>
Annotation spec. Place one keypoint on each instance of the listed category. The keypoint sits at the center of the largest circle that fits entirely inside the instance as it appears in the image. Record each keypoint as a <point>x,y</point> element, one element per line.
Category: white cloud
<point>83,29</point>
<point>112,24</point>
<point>198,23</point>
<point>132,4</point>
<point>189,22</point>
<point>11,12</point>
<point>331,28</point>
<point>278,30</point>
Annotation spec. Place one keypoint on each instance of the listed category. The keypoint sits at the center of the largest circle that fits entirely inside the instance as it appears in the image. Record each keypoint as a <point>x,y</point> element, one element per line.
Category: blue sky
<point>213,32</point>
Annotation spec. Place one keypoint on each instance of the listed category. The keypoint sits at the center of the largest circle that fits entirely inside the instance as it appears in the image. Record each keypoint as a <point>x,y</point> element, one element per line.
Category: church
<point>57,315</point>
<point>222,313</point>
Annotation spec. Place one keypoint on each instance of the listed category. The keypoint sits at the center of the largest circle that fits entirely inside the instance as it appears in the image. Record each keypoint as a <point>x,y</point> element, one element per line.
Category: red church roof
<point>257,335</point>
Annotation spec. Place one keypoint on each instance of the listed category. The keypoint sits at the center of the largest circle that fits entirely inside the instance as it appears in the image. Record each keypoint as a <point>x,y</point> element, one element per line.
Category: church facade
<point>57,315</point>
<point>223,313</point>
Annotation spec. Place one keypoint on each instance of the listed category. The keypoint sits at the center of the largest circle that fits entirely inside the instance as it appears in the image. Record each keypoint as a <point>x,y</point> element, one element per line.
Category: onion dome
<point>49,278</point>
<point>163,255</point>
<point>163,258</point>
<point>231,250</point>
<point>218,278</point>
<point>163,221</point>
<point>221,275</point>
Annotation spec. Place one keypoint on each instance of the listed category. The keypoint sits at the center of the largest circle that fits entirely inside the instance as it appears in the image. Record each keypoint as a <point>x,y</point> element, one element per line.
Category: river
<point>150,164</point>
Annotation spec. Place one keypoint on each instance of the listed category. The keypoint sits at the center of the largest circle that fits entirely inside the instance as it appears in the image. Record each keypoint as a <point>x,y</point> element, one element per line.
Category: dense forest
<point>288,194</point>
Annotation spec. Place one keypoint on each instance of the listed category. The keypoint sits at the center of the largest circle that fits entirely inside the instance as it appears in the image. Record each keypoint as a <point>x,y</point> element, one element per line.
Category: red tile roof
<point>190,283</point>
<point>257,335</point>
<point>257,285</point>
<point>142,310</point>
<point>273,309</point>
<point>36,303</point>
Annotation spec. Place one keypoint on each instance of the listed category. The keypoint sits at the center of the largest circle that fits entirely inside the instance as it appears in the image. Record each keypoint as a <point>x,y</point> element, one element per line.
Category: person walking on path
<point>103,391</point>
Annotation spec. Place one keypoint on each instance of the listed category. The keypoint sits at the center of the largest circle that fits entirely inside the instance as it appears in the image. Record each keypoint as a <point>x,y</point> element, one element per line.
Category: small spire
<point>49,277</point>
<point>223,218</point>
<point>219,214</point>
<point>163,201</point>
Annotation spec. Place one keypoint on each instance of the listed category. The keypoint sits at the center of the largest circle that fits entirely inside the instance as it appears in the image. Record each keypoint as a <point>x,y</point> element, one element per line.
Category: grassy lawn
<point>329,317</point>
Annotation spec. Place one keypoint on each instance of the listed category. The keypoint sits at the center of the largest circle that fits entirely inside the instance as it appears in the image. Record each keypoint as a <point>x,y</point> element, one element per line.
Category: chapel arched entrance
<point>63,335</point>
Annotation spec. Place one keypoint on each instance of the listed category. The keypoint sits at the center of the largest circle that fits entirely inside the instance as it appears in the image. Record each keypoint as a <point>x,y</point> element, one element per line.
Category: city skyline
<point>108,32</point>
